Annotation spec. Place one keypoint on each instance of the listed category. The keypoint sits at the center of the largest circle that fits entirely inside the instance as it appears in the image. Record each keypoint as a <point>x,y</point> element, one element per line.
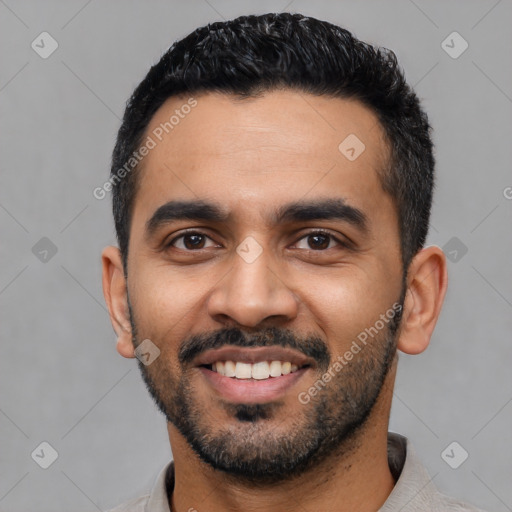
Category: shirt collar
<point>414,489</point>
<point>158,500</point>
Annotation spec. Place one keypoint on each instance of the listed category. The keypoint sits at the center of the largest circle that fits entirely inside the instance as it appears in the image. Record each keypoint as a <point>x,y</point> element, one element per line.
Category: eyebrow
<point>298,211</point>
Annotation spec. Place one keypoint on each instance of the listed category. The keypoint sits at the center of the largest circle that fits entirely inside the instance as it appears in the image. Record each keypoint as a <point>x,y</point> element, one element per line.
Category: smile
<point>252,374</point>
<point>257,371</point>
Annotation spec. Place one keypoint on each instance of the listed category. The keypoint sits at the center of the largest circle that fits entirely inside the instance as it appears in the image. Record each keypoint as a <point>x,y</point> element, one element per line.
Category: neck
<point>356,477</point>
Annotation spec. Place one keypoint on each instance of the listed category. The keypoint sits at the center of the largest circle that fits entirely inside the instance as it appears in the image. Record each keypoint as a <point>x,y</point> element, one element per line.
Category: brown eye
<point>320,241</point>
<point>193,241</point>
<point>189,241</point>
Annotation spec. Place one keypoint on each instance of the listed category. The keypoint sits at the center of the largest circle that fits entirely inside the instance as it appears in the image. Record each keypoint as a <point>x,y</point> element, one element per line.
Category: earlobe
<point>426,288</point>
<point>115,292</point>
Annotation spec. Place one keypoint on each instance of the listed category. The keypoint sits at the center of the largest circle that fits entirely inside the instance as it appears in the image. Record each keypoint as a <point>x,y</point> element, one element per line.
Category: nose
<point>252,293</point>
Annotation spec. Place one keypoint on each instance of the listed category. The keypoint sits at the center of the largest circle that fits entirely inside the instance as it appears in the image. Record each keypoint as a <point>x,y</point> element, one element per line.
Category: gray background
<point>61,379</point>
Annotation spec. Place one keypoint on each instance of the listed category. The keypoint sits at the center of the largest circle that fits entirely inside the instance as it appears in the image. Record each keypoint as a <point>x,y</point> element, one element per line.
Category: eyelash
<point>311,233</point>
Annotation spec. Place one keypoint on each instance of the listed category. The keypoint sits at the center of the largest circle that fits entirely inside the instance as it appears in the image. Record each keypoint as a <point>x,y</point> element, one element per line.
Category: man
<point>272,184</point>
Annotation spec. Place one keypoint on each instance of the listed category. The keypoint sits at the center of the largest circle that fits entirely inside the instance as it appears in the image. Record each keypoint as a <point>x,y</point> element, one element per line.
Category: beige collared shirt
<point>414,490</point>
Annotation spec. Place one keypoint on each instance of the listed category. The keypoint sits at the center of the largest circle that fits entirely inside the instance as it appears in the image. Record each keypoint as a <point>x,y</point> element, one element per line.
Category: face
<point>260,257</point>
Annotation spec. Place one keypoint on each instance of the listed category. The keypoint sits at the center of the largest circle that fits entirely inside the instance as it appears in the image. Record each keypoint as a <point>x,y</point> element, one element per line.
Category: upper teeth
<point>259,371</point>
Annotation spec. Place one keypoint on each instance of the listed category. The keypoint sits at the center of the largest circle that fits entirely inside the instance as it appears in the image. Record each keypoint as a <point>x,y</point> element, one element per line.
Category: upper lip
<point>253,355</point>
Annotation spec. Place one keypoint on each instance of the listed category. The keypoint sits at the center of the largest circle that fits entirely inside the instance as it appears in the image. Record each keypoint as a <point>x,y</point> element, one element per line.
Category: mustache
<point>311,346</point>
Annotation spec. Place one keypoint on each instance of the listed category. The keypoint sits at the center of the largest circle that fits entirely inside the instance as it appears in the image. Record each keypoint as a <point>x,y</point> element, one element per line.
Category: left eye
<point>319,241</point>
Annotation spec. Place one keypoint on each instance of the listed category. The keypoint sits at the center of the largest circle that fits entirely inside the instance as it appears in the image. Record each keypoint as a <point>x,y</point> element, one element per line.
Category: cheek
<point>345,305</point>
<point>156,290</point>
<point>165,302</point>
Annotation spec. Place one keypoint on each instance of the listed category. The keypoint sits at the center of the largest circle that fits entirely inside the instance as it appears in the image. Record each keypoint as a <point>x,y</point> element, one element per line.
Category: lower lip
<point>251,391</point>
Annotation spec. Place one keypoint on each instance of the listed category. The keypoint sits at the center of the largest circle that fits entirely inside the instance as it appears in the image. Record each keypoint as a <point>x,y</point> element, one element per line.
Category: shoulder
<point>449,504</point>
<point>135,505</point>
<point>414,489</point>
<point>157,499</point>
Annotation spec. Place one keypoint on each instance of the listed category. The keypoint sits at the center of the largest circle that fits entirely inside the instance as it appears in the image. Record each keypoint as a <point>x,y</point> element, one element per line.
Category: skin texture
<point>250,157</point>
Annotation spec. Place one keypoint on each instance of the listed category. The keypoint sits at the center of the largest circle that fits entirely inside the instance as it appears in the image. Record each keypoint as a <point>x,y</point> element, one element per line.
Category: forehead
<point>252,153</point>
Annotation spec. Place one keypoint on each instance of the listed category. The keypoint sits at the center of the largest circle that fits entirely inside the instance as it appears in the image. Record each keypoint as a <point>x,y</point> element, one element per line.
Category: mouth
<point>252,375</point>
<point>258,371</point>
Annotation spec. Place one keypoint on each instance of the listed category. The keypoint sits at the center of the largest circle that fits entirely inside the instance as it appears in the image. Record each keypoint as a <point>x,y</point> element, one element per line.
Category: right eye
<point>190,241</point>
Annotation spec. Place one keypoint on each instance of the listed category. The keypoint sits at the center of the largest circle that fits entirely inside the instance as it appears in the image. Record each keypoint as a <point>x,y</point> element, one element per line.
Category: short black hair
<point>251,55</point>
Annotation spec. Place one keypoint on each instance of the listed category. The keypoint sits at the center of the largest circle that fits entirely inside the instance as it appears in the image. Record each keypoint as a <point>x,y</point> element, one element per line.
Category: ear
<point>115,292</point>
<point>427,282</point>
